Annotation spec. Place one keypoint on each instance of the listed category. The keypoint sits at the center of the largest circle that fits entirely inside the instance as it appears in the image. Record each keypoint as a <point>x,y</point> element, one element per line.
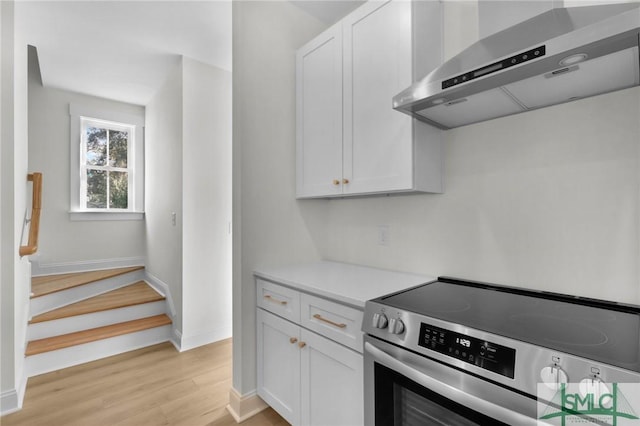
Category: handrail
<point>36,204</point>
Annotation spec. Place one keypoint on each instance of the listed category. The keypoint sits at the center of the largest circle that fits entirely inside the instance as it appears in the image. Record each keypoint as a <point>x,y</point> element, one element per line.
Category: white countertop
<point>342,282</point>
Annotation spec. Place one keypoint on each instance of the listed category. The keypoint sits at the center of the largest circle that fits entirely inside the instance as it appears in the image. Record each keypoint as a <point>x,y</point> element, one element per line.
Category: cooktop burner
<point>558,330</point>
<point>603,331</point>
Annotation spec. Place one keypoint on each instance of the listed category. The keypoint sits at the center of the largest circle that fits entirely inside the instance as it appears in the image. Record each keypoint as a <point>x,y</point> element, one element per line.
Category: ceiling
<point>124,50</point>
<point>328,11</point>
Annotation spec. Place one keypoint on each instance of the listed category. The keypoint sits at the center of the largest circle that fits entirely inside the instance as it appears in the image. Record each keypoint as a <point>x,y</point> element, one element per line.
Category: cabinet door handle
<point>336,182</point>
<point>274,300</point>
<point>345,181</point>
<point>335,324</point>
<point>292,340</point>
<point>301,345</point>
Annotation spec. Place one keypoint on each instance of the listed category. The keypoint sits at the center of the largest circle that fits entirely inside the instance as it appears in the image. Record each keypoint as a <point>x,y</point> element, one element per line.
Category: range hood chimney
<point>558,56</point>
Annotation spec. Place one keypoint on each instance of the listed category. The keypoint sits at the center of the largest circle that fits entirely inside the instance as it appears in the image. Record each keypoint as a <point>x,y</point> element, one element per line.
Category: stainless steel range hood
<point>555,57</point>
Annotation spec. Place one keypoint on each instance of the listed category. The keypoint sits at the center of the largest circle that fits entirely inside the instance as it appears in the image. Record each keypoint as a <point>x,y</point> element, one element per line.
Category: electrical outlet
<point>383,235</point>
<point>173,218</point>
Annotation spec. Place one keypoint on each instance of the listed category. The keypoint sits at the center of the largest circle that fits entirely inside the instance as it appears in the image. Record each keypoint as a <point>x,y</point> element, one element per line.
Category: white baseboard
<point>242,407</point>
<point>11,400</point>
<point>204,338</point>
<point>183,343</point>
<point>176,338</point>
<point>56,268</point>
<point>162,288</point>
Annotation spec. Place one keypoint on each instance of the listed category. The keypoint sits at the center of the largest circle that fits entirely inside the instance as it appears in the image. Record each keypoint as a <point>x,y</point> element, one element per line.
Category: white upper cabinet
<point>377,139</point>
<point>350,141</point>
<point>319,115</point>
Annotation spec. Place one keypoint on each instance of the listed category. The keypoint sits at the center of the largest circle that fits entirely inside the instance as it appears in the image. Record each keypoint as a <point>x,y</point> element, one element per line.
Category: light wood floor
<point>151,386</point>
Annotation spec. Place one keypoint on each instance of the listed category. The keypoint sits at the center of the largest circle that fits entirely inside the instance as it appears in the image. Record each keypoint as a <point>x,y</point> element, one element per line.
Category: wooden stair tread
<point>87,336</point>
<point>43,285</point>
<point>134,294</point>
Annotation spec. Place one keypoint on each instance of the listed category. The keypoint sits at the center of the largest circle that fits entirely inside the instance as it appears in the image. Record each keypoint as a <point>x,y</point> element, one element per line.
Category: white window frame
<point>80,117</point>
<point>85,123</point>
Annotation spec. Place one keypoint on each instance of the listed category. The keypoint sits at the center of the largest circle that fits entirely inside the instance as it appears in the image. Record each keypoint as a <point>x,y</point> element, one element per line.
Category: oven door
<point>405,389</point>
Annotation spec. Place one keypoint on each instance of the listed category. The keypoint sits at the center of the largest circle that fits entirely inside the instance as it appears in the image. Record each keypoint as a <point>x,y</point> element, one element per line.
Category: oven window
<point>400,401</point>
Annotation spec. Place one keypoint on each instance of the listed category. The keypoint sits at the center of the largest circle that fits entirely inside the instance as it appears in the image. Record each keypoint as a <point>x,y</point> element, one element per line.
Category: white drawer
<point>278,299</point>
<point>333,320</point>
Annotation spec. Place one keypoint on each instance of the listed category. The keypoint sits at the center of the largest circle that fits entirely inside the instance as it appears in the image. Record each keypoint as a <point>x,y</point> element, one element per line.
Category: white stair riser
<point>80,354</point>
<point>61,326</point>
<point>42,269</point>
<point>59,299</point>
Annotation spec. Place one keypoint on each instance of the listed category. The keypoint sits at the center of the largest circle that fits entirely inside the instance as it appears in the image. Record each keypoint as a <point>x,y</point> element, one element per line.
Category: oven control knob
<point>379,320</point>
<point>553,376</point>
<point>594,386</point>
<point>396,326</point>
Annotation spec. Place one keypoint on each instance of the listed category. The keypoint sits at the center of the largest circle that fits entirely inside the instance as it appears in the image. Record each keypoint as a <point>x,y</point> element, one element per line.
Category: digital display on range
<point>464,342</point>
<point>490,356</point>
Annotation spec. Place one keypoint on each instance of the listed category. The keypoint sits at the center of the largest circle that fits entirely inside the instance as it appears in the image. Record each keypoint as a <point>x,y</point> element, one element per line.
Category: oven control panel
<point>490,356</point>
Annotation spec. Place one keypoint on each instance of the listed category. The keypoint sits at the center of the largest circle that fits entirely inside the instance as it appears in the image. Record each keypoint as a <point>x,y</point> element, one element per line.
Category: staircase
<point>81,317</point>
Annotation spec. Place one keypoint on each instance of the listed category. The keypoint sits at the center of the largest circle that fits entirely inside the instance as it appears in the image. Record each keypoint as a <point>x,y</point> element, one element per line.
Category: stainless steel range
<point>456,352</point>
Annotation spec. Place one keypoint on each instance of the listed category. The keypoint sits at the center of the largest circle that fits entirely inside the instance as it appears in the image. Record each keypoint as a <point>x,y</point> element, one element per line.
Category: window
<point>106,165</point>
<point>105,171</point>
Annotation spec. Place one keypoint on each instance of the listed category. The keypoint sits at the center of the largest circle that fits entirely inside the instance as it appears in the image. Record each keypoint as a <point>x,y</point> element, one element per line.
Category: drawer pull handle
<point>335,324</point>
<point>292,340</point>
<point>274,300</point>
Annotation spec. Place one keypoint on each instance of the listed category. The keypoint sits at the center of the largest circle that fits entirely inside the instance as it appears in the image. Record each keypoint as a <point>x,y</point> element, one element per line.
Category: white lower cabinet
<point>279,365</point>
<point>307,378</point>
<point>331,383</point>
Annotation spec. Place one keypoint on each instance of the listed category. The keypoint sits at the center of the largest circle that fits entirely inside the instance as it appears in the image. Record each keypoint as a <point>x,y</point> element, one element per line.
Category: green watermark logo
<point>602,404</point>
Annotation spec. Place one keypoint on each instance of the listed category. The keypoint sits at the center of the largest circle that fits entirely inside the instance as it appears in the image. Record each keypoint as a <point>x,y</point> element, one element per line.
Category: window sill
<point>88,216</point>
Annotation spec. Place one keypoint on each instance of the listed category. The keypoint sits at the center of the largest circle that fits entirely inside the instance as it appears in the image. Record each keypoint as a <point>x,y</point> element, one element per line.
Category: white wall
<point>8,244</point>
<point>460,26</point>
<point>496,15</point>
<point>163,188</point>
<point>63,241</point>
<point>547,200</point>
<point>206,205</point>
<point>188,172</point>
<point>14,271</point>
<point>270,227</point>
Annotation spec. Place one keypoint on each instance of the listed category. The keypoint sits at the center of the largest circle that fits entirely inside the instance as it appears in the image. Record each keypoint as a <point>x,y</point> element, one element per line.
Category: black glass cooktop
<point>603,331</point>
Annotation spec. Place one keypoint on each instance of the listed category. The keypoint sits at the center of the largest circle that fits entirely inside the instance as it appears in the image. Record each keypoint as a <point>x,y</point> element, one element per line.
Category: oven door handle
<point>448,391</point>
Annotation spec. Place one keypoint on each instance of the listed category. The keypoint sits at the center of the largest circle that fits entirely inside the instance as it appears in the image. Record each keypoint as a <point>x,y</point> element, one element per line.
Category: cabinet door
<point>331,383</point>
<point>279,365</point>
<point>319,115</point>
<point>378,143</point>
